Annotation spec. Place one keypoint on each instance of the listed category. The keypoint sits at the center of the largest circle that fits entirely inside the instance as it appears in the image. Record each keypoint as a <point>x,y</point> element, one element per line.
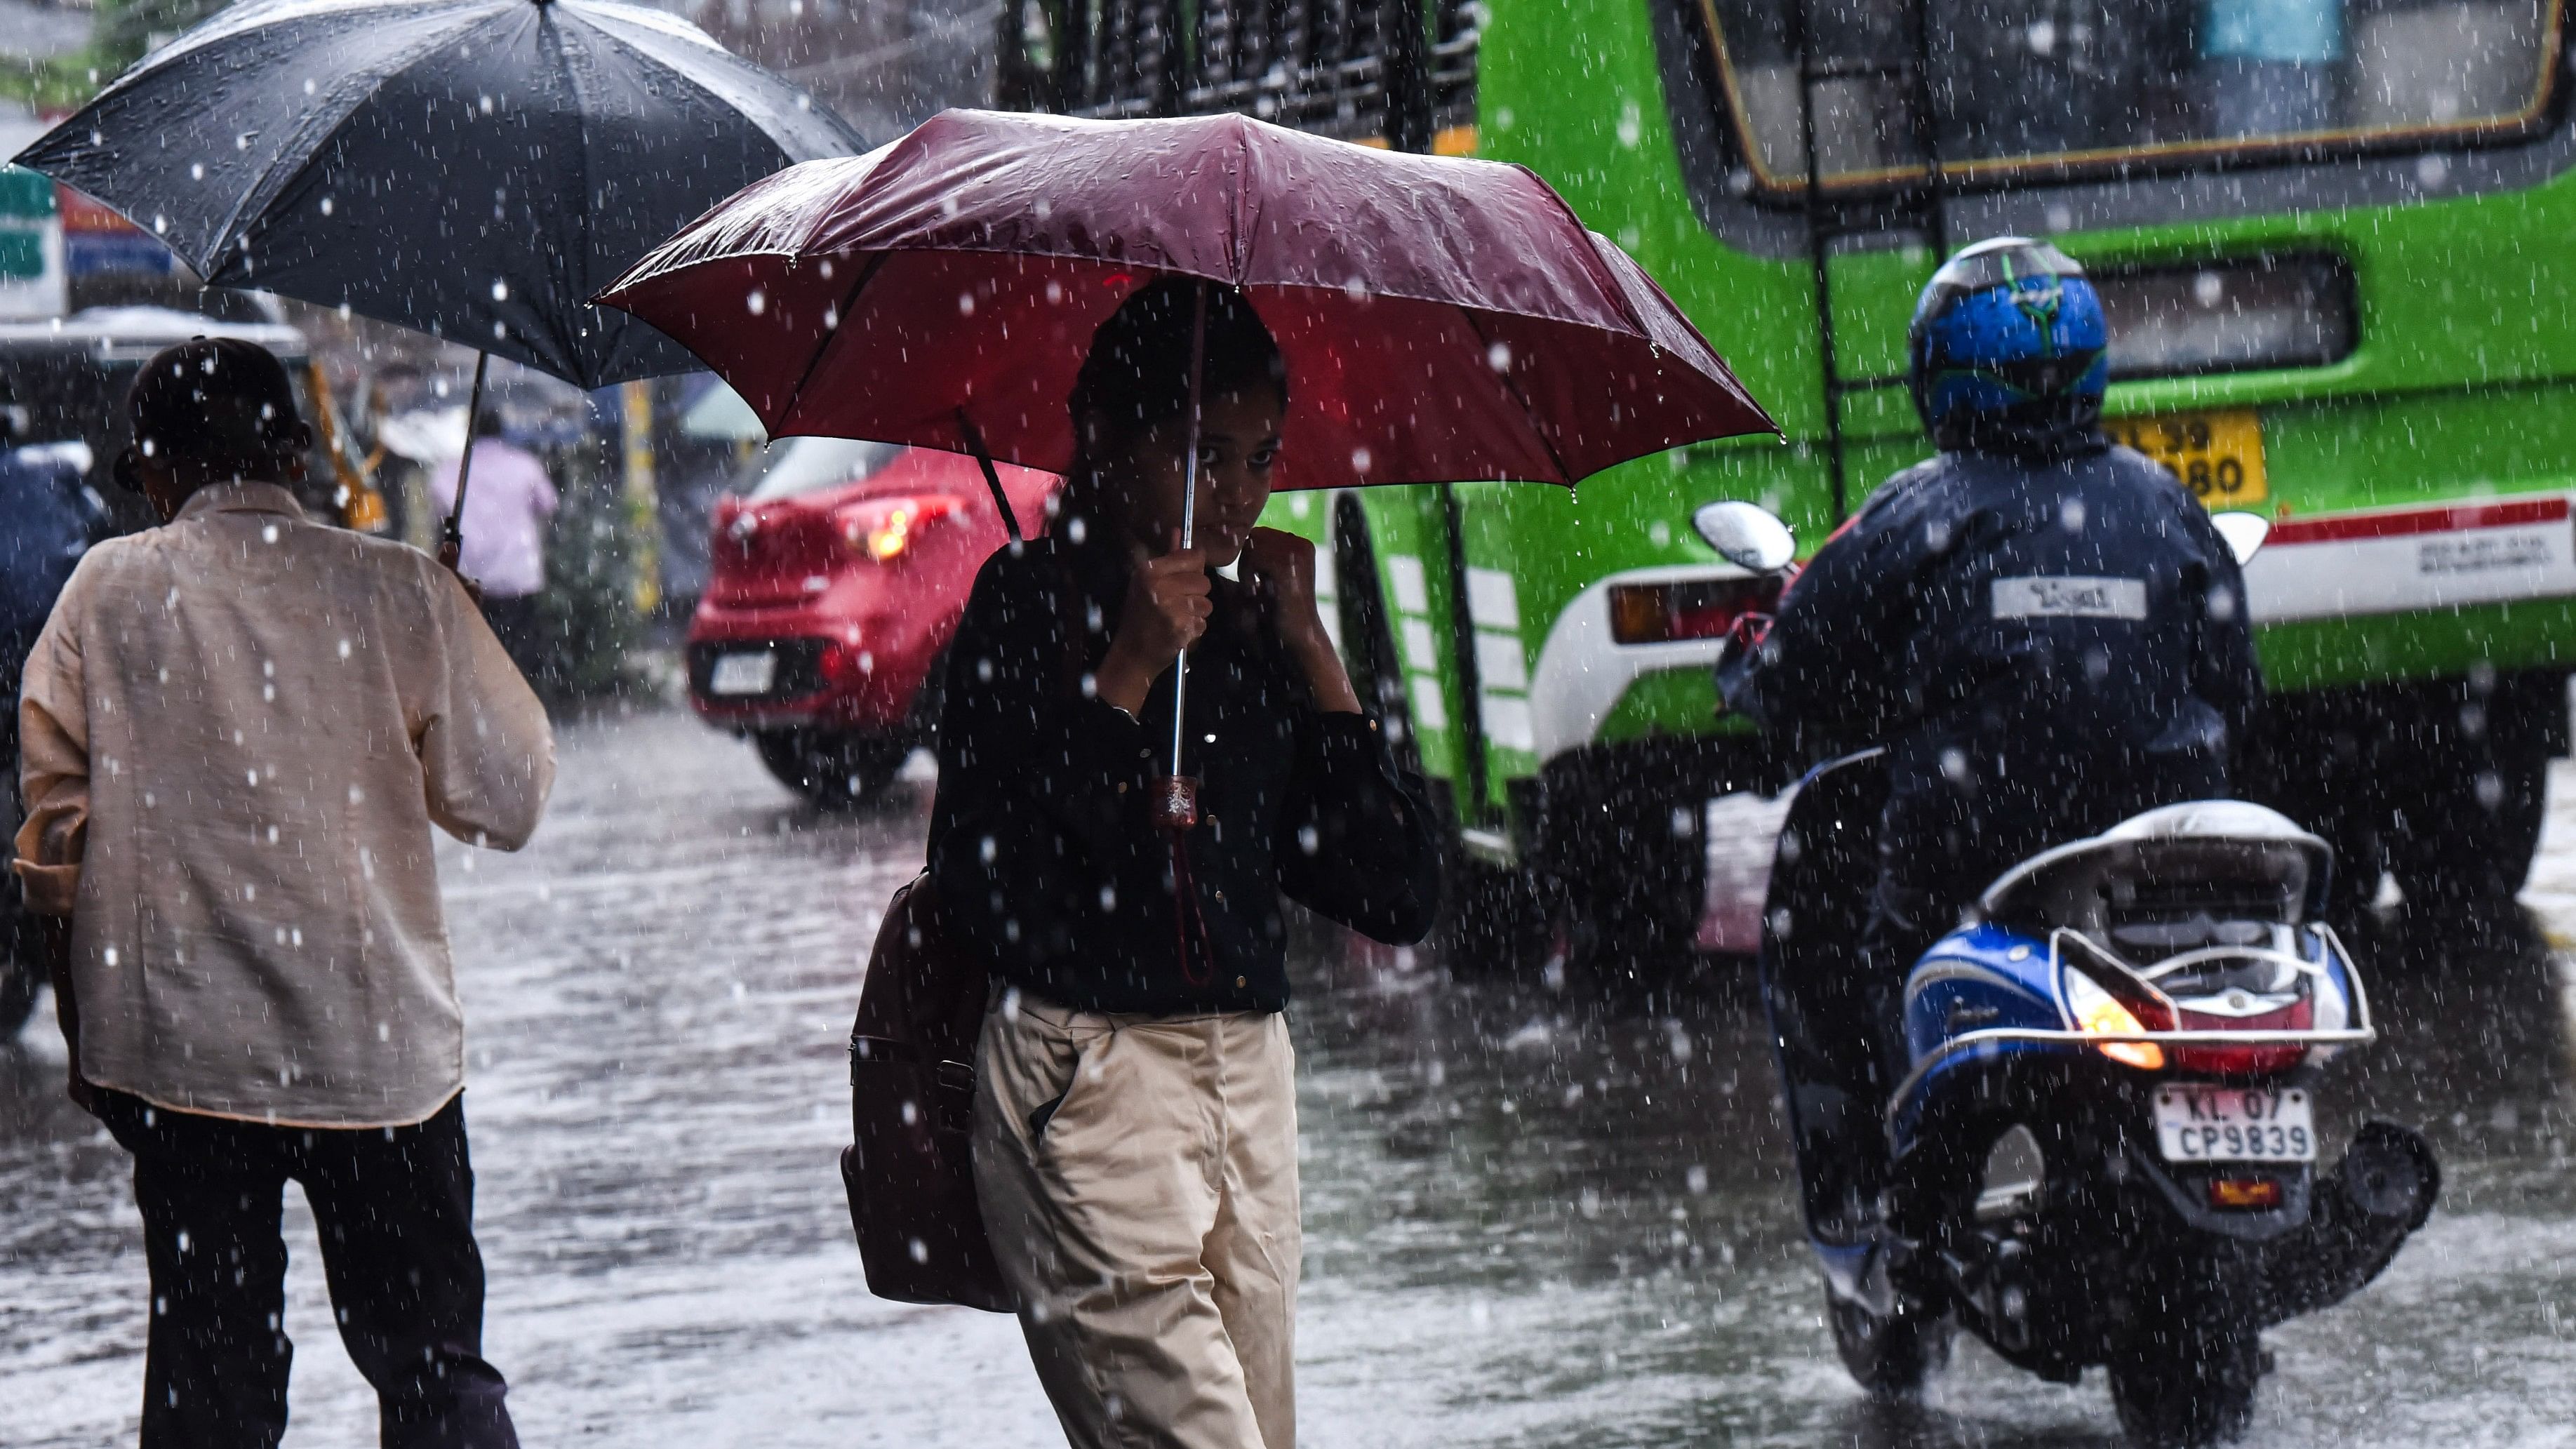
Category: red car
<point>839,571</point>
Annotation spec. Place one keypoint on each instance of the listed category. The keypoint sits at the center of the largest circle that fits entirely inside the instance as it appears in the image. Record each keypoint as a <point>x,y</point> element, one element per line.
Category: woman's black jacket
<point>1041,849</point>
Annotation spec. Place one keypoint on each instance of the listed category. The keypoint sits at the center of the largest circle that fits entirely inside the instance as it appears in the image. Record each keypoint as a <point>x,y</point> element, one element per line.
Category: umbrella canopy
<point>1442,319</point>
<point>472,169</point>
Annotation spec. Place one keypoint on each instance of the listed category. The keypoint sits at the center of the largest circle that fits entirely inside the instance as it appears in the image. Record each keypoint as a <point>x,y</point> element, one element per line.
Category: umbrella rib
<point>876,261</point>
<point>1600,273</point>
<point>571,257</point>
<point>227,238</point>
<point>1564,474</point>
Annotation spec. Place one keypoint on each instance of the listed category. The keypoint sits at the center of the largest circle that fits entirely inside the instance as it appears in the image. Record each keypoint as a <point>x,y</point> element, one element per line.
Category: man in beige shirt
<point>236,732</point>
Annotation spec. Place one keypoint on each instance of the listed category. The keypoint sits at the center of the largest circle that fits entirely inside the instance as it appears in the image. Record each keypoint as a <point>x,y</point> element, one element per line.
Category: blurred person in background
<point>508,503</point>
<point>237,730</point>
<point>47,518</point>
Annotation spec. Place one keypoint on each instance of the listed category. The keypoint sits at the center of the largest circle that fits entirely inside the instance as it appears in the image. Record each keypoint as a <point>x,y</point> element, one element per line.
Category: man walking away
<point>237,730</point>
<point>508,501</point>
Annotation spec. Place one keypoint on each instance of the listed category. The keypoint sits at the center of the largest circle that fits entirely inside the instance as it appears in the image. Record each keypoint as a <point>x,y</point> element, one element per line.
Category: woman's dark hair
<point>222,403</point>
<point>1138,372</point>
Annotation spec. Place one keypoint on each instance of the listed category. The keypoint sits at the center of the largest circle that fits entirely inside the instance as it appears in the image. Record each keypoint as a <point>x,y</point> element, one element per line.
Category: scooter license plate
<point>2234,1124</point>
<point>744,673</point>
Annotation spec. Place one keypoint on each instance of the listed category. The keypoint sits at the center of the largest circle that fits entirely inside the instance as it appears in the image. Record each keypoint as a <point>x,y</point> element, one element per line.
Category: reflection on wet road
<point>1532,1219</point>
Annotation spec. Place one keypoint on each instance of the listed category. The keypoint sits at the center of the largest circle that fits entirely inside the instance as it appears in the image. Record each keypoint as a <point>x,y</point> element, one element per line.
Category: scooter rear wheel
<point>2186,1386</point>
<point>1889,1356</point>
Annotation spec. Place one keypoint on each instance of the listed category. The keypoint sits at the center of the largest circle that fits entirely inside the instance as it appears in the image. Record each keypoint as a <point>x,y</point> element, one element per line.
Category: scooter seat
<point>2202,858</point>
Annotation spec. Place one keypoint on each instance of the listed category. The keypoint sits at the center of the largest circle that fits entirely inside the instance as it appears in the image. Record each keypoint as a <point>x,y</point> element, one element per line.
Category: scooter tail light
<point>2247,1061</point>
<point>2098,1012</point>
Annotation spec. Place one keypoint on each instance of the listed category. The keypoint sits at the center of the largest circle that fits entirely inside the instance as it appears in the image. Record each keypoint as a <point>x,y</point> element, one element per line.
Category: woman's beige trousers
<point>1139,1178</point>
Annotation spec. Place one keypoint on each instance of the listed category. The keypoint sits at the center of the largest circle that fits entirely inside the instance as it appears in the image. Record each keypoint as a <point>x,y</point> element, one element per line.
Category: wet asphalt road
<point>1532,1219</point>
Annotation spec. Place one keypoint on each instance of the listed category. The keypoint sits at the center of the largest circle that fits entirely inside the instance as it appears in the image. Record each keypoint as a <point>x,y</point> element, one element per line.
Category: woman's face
<point>1238,444</point>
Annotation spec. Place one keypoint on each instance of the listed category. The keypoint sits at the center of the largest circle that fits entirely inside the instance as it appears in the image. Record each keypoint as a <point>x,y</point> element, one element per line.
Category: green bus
<point>2337,243</point>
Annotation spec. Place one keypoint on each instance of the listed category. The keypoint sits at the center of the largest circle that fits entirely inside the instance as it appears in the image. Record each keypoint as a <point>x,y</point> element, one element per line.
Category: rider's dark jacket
<point>2040,640</point>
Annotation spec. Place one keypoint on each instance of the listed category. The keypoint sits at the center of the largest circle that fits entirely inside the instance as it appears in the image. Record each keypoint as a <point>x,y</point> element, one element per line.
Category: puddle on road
<point>1530,1222</point>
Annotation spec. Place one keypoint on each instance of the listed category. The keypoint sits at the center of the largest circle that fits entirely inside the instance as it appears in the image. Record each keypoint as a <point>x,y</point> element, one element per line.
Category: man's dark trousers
<point>395,1207</point>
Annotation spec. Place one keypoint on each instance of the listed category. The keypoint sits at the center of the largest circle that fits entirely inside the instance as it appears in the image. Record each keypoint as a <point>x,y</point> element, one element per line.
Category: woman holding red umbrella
<point>1420,319</point>
<point>1135,1118</point>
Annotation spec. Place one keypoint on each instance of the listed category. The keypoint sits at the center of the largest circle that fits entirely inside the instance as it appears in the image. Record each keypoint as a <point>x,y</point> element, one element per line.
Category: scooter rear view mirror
<point>2243,531</point>
<point>1747,535</point>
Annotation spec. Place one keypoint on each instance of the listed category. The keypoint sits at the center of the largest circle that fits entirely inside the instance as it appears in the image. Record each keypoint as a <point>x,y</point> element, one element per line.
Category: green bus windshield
<point>2054,86</point>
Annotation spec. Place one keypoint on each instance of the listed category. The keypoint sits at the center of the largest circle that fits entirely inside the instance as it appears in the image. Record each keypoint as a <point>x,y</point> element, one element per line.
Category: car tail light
<point>883,528</point>
<point>1686,608</point>
<point>2244,1192</point>
<point>2098,1012</point>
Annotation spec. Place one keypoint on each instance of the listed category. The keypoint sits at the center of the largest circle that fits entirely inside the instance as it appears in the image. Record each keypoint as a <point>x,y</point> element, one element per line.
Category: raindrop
<point>326,206</point>
<point>160,224</point>
<point>1356,289</point>
<point>197,171</point>
<point>2208,288</point>
<point>500,290</point>
<point>1498,356</point>
<point>484,105</point>
<point>965,304</point>
<point>1359,460</point>
<point>1054,292</point>
<point>2432,169</point>
<point>755,301</point>
<point>308,87</point>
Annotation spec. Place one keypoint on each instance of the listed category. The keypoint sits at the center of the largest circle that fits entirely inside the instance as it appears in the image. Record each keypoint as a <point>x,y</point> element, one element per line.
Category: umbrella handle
<point>451,543</point>
<point>974,439</point>
<point>1189,504</point>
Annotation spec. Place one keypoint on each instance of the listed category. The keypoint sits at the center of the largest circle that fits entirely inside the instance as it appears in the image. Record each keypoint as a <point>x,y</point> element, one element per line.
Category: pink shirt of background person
<point>506,508</point>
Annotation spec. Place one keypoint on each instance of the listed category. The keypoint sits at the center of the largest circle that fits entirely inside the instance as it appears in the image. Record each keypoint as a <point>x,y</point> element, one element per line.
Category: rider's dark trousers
<point>395,1210</point>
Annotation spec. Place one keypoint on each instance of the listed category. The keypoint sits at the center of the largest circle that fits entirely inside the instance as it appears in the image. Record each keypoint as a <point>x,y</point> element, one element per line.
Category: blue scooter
<point>2103,1147</point>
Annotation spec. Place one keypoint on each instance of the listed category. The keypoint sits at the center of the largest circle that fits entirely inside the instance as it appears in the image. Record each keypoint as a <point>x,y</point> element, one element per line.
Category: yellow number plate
<point>2218,456</point>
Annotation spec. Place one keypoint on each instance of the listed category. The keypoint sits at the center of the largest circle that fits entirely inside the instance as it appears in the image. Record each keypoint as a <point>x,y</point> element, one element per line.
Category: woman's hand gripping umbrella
<point>1446,320</point>
<point>467,168</point>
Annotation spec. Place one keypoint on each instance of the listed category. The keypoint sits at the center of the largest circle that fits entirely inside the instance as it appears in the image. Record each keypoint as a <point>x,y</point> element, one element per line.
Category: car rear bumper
<point>832,681</point>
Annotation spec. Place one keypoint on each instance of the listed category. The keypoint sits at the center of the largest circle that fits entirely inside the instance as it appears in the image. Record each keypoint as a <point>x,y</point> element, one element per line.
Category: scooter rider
<point>2044,630</point>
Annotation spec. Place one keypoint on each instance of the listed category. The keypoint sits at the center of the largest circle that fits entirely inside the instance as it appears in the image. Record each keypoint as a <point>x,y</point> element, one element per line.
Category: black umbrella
<point>473,169</point>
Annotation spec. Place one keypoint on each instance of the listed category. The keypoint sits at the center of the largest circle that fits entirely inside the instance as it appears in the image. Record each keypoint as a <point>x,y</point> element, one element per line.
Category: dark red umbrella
<point>1443,320</point>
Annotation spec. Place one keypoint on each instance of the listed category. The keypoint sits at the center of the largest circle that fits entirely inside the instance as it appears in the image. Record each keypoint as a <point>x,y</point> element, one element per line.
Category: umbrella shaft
<point>465,464</point>
<point>1189,503</point>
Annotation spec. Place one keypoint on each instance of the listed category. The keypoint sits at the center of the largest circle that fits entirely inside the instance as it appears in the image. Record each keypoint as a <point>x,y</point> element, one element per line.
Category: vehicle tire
<point>1631,869</point>
<point>1892,1357</point>
<point>2471,834</point>
<point>1493,921</point>
<point>835,769</point>
<point>1368,639</point>
<point>18,989</point>
<point>2182,1386</point>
